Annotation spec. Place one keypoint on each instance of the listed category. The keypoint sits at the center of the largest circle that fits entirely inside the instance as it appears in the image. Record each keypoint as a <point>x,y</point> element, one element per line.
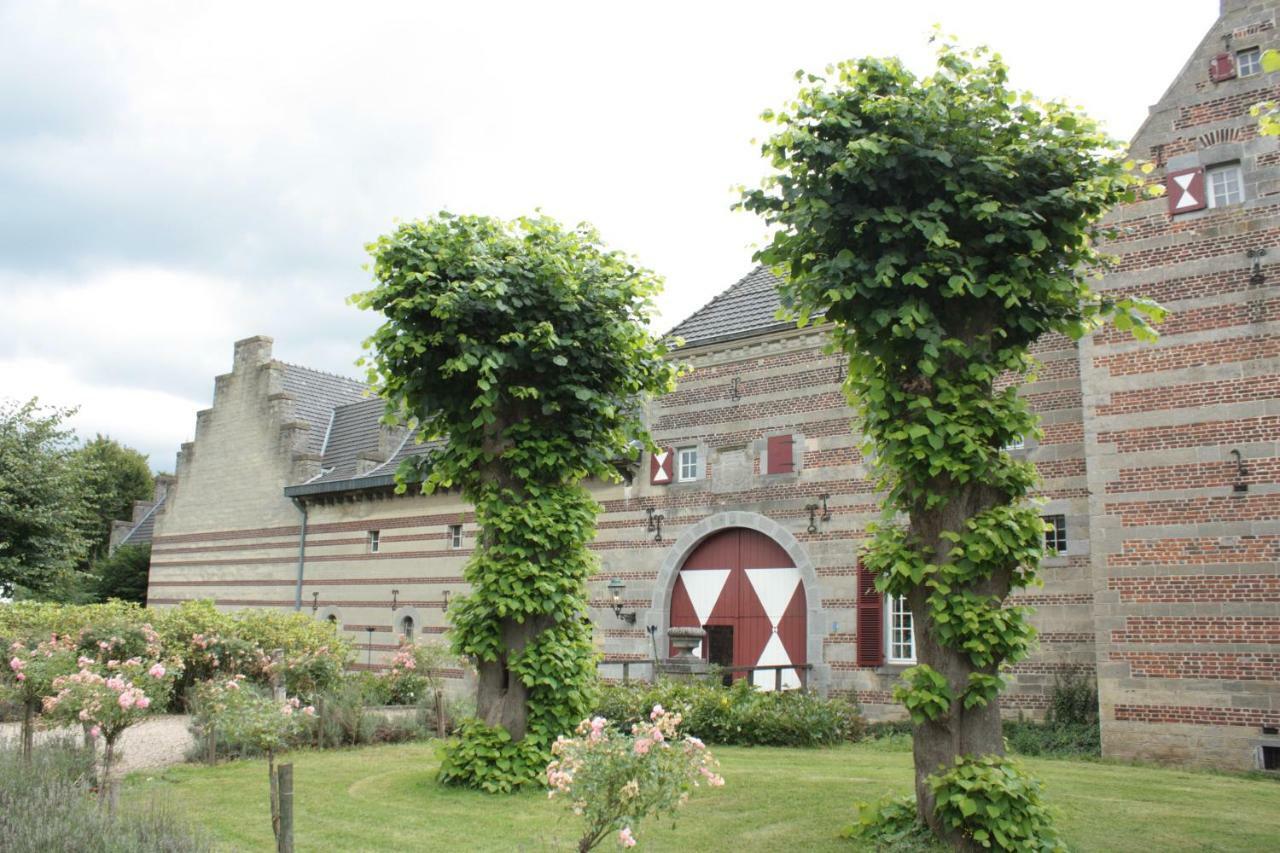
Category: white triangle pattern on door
<point>775,588</point>
<point>704,587</point>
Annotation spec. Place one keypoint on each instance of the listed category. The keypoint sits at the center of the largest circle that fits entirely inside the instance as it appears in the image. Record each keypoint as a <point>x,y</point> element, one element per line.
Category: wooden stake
<point>284,843</point>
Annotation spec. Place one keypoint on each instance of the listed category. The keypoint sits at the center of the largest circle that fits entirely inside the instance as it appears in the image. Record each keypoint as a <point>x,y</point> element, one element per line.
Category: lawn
<point>386,798</point>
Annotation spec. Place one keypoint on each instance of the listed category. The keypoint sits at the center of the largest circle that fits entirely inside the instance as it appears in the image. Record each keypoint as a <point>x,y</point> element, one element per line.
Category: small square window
<point>455,536</point>
<point>902,637</point>
<point>1225,186</point>
<point>1055,534</point>
<point>687,464</point>
<point>1249,62</point>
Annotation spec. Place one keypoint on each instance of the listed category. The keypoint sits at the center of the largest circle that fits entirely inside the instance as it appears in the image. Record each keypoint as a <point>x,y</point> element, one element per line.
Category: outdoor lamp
<point>615,590</point>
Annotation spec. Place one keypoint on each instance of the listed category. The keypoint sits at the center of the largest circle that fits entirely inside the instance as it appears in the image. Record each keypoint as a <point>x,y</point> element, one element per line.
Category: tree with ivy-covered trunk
<point>525,344</point>
<point>942,225</point>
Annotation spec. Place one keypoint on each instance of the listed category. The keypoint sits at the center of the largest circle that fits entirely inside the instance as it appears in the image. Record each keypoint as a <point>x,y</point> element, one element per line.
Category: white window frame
<point>1052,530</point>
<point>896,616</point>
<point>1254,56</point>
<point>375,541</point>
<point>455,537</point>
<point>683,453</point>
<point>1211,174</point>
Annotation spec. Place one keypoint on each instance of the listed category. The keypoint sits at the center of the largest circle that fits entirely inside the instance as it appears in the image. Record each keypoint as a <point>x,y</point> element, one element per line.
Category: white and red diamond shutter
<point>870,609</point>
<point>661,466</point>
<point>1222,67</point>
<point>779,452</point>
<point>1185,190</point>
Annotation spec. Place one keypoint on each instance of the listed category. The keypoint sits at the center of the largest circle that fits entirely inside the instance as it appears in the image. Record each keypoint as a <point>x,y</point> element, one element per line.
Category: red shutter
<point>661,466</point>
<point>779,452</point>
<point>1222,67</point>
<point>1185,190</point>
<point>870,620</point>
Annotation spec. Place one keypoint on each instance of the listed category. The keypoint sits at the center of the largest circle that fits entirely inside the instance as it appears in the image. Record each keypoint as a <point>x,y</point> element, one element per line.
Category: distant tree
<point>123,574</point>
<point>43,516</point>
<point>112,477</point>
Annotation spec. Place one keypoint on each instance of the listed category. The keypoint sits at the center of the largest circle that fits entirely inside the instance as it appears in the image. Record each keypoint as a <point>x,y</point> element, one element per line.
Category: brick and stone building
<point>1159,466</point>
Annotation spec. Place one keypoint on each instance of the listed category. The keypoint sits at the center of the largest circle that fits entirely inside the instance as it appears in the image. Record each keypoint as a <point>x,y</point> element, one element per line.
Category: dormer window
<point>1225,185</point>
<point>1249,62</point>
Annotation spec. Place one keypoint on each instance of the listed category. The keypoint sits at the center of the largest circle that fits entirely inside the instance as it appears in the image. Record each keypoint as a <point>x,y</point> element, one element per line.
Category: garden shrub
<point>992,803</point>
<point>1073,700</point>
<point>738,714</point>
<point>614,780</point>
<point>45,805</point>
<point>1053,740</point>
<point>487,758</point>
<point>891,823</point>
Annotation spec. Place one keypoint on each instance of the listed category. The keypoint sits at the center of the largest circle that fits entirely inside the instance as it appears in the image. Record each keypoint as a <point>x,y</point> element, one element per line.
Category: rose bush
<point>613,780</point>
<point>28,677</point>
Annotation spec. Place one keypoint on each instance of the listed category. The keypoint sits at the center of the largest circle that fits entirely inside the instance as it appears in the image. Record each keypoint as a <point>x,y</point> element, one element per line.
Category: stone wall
<point>1186,545</point>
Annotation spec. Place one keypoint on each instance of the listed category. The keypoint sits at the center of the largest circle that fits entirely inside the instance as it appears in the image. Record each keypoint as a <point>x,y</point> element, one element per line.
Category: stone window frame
<point>698,482</point>
<point>1056,542</point>
<point>1254,57</point>
<point>1212,172</point>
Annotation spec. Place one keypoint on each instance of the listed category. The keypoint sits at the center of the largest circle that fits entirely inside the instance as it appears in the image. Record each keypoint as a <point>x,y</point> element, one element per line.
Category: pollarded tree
<point>526,345</point>
<point>943,225</point>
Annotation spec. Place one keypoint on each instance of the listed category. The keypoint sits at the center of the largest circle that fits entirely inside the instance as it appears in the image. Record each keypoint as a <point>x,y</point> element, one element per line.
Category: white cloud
<point>174,176</point>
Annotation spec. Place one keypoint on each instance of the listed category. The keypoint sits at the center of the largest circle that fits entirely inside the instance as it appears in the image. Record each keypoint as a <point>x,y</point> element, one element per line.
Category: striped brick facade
<point>1186,545</point>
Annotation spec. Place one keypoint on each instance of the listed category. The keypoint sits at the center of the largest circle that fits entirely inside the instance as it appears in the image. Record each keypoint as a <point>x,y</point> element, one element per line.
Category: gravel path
<point>158,742</point>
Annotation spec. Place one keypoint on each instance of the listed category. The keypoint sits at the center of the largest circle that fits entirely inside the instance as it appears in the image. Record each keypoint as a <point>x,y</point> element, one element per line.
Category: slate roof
<point>142,531</point>
<point>316,394</point>
<point>747,308</point>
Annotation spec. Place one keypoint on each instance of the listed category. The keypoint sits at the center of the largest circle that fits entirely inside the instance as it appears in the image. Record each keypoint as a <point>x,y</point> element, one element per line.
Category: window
<point>455,536</point>
<point>1019,443</point>
<point>686,464</point>
<point>373,541</point>
<point>1224,185</point>
<point>1271,758</point>
<point>406,627</point>
<point>1249,62</point>
<point>1055,534</point>
<point>902,636</point>
<point>332,619</point>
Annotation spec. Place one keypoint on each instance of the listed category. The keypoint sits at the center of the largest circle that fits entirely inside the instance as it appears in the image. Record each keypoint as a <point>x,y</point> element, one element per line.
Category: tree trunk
<point>28,730</point>
<point>441,726</point>
<point>275,796</point>
<point>106,796</point>
<point>501,697</point>
<point>319,721</point>
<point>961,731</point>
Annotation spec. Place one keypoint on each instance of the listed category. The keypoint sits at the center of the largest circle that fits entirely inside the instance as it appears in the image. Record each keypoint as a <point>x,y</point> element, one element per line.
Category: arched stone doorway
<point>746,591</point>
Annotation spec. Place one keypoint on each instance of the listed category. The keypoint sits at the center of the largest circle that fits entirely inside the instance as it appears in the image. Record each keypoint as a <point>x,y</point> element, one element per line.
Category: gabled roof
<point>749,307</point>
<point>145,528</point>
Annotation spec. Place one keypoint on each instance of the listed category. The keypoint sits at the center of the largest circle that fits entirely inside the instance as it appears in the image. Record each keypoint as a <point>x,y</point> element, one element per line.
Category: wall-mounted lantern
<point>1256,275</point>
<point>734,393</point>
<point>395,598</point>
<point>315,601</point>
<point>616,588</point>
<point>1241,473</point>
<point>444,605</point>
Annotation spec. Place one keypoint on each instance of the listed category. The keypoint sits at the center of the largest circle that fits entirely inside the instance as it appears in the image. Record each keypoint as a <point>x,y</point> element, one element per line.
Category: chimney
<point>164,482</point>
<point>252,352</point>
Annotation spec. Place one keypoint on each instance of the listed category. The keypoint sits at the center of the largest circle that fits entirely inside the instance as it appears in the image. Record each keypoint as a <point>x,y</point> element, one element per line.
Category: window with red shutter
<point>870,610</point>
<point>1185,191</point>
<point>780,455</point>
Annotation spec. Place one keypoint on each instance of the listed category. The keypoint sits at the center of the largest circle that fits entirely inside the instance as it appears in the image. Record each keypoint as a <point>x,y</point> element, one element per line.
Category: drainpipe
<point>302,553</point>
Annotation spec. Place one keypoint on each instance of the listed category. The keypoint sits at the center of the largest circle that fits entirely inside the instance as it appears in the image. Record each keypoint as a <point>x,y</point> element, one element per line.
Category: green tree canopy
<point>122,574</point>
<point>943,224</point>
<point>112,477</point>
<point>43,515</point>
<point>526,345</point>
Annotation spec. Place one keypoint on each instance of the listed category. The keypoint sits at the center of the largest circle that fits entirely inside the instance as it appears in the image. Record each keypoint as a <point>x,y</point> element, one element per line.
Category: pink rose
<point>156,671</point>
<point>126,700</point>
<point>95,731</point>
<point>656,712</point>
<point>287,710</point>
<point>625,838</point>
<point>310,710</point>
<point>642,746</point>
<point>22,676</point>
<point>143,702</point>
<point>16,664</point>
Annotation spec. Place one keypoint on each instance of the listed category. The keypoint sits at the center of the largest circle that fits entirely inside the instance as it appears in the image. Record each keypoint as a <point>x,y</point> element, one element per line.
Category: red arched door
<point>742,587</point>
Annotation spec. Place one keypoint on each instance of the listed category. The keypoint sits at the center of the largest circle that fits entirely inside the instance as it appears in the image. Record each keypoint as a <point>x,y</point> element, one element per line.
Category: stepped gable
<point>749,307</point>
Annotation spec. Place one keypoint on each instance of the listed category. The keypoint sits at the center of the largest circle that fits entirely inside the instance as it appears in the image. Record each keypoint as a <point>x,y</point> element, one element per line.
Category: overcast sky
<point>176,176</point>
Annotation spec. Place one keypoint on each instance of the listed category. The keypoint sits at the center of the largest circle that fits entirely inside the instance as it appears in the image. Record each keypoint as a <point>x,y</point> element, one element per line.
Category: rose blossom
<point>95,731</point>
<point>625,838</point>
<point>642,746</point>
<point>156,671</point>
